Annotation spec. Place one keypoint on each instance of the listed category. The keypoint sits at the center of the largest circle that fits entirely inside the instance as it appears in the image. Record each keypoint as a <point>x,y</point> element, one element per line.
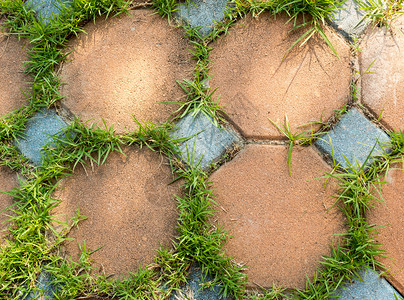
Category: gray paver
<point>210,142</point>
<point>348,19</point>
<point>45,288</point>
<point>372,287</point>
<point>47,9</point>
<point>37,134</point>
<point>353,137</point>
<point>193,288</point>
<point>202,13</point>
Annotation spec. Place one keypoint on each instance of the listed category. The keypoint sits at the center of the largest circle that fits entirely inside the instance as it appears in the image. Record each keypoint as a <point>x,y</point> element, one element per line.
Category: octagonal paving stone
<point>280,223</point>
<point>12,77</point>
<point>257,82</point>
<point>130,208</point>
<point>124,66</point>
<point>383,91</point>
<point>8,180</point>
<point>391,213</point>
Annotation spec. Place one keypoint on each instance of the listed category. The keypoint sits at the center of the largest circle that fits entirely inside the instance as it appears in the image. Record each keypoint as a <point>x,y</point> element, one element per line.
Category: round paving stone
<point>279,223</point>
<point>130,208</point>
<point>391,213</point>
<point>12,77</point>
<point>8,180</point>
<point>123,67</point>
<point>383,90</point>
<point>257,82</point>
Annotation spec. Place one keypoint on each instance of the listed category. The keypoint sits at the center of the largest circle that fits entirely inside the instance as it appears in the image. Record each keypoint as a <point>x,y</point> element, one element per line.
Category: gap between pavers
<point>369,286</point>
<point>202,13</point>
<point>47,10</point>
<point>351,141</point>
<point>38,132</point>
<point>207,143</point>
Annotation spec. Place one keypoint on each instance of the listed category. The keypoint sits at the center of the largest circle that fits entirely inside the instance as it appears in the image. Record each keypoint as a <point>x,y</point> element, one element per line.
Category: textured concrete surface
<point>352,140</point>
<point>257,81</point>
<point>12,77</point>
<point>209,143</point>
<point>383,91</point>
<point>390,213</point>
<point>348,19</point>
<point>8,180</point>
<point>369,286</point>
<point>130,208</point>
<point>47,10</point>
<point>280,223</point>
<point>123,67</point>
<point>193,288</point>
<point>38,133</point>
<point>202,13</point>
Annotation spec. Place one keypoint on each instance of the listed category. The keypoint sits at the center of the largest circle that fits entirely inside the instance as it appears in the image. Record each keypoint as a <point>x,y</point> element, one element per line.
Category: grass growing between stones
<point>33,245</point>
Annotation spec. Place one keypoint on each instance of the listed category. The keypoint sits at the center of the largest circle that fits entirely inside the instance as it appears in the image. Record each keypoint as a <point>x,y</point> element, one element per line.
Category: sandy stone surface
<point>391,213</point>
<point>383,91</point>
<point>12,77</point>
<point>123,67</point>
<point>8,180</point>
<point>130,209</point>
<point>256,84</point>
<point>280,224</point>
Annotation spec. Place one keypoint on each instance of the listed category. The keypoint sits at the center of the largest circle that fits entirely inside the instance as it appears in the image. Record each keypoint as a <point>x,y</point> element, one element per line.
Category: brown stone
<point>279,223</point>
<point>130,208</point>
<point>390,212</point>
<point>257,82</point>
<point>12,76</point>
<point>383,90</point>
<point>124,66</point>
<point>8,180</point>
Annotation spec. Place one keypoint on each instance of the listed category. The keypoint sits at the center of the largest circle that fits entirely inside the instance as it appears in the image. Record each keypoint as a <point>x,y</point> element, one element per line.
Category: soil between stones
<point>124,66</point>
<point>130,210</point>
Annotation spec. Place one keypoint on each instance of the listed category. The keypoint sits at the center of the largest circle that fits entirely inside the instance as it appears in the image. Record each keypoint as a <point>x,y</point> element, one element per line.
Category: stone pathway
<point>281,223</point>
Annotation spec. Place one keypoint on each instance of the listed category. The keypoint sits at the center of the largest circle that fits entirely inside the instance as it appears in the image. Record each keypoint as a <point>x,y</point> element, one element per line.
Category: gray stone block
<point>353,138</point>
<point>193,288</point>
<point>348,19</point>
<point>210,142</point>
<point>47,9</point>
<point>37,134</point>
<point>371,287</point>
<point>202,13</point>
<point>45,289</point>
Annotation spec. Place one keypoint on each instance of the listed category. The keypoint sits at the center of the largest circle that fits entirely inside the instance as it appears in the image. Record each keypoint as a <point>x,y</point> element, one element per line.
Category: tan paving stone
<point>280,224</point>
<point>391,213</point>
<point>12,77</point>
<point>383,91</point>
<point>130,209</point>
<point>8,180</point>
<point>123,67</point>
<point>255,84</point>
